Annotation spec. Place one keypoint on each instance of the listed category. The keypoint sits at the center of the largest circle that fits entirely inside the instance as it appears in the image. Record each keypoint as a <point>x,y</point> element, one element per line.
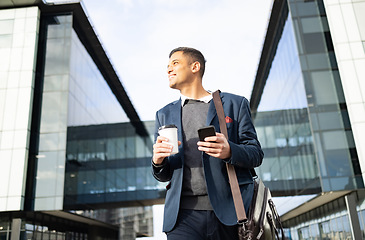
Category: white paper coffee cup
<point>170,132</point>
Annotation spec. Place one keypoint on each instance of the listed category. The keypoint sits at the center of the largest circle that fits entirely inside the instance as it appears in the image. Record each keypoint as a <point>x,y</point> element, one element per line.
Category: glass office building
<point>302,104</point>
<point>73,150</point>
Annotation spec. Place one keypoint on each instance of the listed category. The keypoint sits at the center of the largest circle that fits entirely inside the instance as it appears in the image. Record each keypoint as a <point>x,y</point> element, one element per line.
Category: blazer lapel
<point>212,118</point>
<point>176,117</point>
<point>212,113</point>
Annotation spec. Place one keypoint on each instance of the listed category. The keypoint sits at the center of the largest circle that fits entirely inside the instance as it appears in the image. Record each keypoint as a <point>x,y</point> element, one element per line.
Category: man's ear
<point>195,67</point>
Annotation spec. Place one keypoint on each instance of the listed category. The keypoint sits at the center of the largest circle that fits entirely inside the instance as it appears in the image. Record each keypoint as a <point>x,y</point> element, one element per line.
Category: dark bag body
<point>263,220</point>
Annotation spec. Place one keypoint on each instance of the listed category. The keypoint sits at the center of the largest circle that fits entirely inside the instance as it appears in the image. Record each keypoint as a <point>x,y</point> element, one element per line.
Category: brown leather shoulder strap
<point>236,193</point>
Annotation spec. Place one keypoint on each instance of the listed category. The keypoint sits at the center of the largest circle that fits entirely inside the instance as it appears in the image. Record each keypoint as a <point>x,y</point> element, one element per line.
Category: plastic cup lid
<point>167,126</point>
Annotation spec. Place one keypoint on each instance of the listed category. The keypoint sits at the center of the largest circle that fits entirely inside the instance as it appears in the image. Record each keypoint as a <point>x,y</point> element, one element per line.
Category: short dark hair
<point>194,54</point>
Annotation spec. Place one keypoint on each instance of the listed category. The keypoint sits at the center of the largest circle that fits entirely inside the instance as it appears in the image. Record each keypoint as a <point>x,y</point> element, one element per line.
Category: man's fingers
<point>218,138</point>
<point>161,151</point>
<point>208,149</point>
<point>162,147</point>
<point>161,139</point>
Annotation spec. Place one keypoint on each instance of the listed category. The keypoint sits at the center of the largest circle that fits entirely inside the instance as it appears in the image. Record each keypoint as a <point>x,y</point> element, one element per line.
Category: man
<point>199,202</point>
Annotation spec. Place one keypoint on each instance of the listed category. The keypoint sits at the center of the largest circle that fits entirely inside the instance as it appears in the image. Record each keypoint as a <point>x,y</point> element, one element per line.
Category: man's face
<point>179,70</point>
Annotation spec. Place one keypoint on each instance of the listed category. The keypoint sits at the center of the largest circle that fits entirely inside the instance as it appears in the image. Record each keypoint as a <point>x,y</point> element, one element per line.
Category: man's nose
<point>169,69</point>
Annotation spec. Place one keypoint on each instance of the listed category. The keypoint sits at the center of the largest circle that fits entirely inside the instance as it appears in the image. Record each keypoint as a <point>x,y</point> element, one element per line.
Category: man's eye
<point>174,63</point>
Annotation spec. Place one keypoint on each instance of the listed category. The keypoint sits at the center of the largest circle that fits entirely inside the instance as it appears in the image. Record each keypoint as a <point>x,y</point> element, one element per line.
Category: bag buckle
<point>242,223</point>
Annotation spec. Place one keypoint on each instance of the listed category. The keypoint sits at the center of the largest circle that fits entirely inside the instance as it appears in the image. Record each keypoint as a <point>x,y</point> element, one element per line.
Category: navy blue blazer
<point>246,154</point>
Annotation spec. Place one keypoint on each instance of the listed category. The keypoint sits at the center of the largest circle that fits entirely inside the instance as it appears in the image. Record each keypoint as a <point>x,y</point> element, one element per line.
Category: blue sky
<point>139,34</point>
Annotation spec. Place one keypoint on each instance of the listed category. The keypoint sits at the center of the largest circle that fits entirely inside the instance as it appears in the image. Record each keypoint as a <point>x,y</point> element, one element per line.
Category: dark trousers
<point>201,225</point>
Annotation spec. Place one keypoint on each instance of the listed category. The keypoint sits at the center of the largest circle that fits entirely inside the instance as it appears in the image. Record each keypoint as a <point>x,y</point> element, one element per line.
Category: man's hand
<point>161,149</point>
<point>216,146</point>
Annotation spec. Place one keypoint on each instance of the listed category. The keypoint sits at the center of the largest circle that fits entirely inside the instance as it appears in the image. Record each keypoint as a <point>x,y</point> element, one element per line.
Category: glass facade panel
<point>53,127</point>
<point>318,61</point>
<point>312,25</point>
<point>330,120</point>
<point>6,26</point>
<point>359,8</point>
<point>314,42</point>
<point>306,8</point>
<point>324,87</point>
<point>6,41</point>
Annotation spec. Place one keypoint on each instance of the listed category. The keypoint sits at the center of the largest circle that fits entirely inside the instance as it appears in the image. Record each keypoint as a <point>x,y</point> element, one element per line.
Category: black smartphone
<point>206,132</point>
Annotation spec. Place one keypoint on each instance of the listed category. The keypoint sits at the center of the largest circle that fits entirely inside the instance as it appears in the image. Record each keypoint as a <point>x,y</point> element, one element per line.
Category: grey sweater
<point>194,191</point>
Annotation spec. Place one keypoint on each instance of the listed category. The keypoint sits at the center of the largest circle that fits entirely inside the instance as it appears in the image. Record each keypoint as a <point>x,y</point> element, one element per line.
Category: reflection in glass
<point>284,88</point>
<point>91,100</point>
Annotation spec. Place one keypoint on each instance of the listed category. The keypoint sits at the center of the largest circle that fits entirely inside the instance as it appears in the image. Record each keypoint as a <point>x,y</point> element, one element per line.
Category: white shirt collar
<point>205,99</point>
